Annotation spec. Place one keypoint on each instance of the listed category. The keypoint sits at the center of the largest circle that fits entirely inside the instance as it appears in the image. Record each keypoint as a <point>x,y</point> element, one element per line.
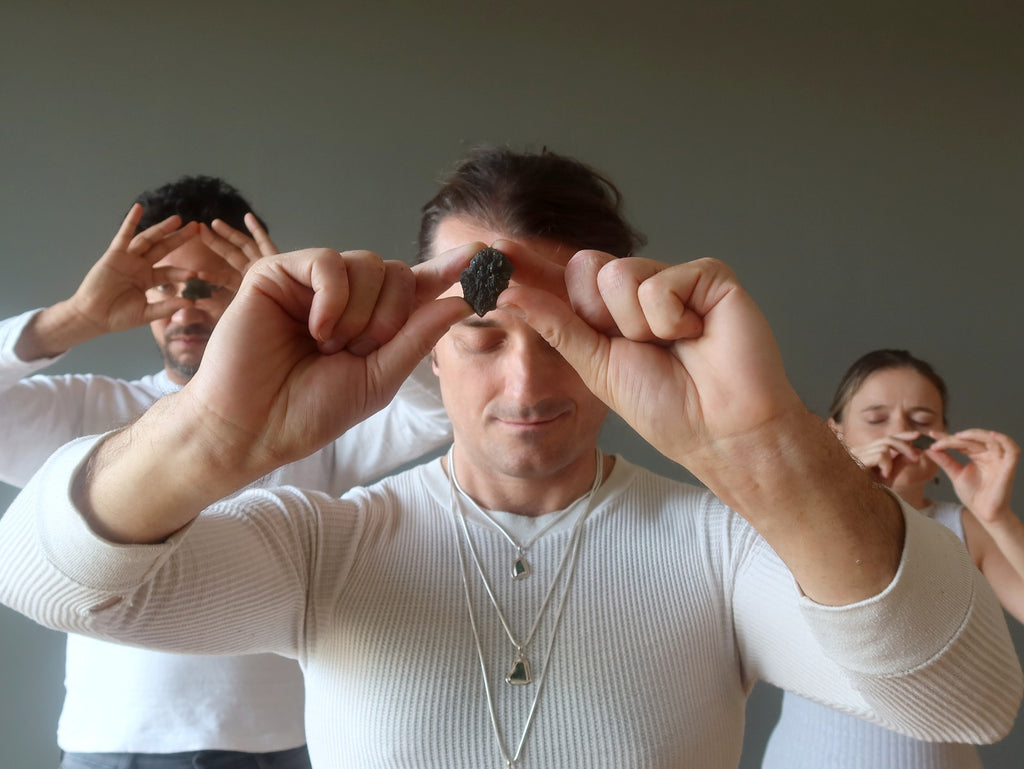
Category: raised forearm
<point>1008,533</point>
<point>840,534</point>
<point>150,479</point>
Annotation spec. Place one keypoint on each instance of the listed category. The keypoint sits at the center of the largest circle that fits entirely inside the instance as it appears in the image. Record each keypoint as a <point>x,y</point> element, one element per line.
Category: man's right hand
<point>313,343</point>
<point>112,296</point>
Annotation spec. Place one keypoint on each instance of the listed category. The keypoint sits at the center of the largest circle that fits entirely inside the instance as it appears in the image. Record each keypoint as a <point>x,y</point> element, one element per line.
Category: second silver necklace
<point>520,673</point>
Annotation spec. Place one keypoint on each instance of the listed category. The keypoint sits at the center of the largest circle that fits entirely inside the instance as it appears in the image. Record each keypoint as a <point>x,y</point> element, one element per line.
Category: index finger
<point>529,267</point>
<point>153,244</point>
<point>122,240</point>
<point>236,248</point>
<point>259,234</point>
<point>532,269</point>
<point>584,296</point>
<point>975,441</point>
<point>322,271</point>
<point>651,301</point>
<point>438,274</point>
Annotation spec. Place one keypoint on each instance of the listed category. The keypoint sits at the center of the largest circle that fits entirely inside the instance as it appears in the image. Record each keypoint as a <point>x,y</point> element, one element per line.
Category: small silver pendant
<point>520,568</point>
<point>519,675</point>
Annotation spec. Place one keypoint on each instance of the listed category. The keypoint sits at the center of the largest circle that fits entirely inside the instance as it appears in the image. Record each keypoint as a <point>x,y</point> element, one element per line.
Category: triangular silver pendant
<point>521,568</point>
<point>519,675</point>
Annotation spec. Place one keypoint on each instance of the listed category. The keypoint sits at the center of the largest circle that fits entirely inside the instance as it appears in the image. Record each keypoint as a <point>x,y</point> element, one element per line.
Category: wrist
<point>53,331</point>
<point>1000,518</point>
<point>153,477</point>
<point>795,449</point>
<point>840,533</point>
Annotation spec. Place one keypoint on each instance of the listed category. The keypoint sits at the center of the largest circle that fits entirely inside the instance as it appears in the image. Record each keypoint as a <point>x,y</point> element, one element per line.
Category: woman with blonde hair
<point>890,412</point>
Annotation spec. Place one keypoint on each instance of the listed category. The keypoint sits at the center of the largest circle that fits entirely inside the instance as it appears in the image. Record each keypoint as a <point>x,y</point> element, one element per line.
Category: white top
<point>123,699</point>
<point>677,607</point>
<point>812,736</point>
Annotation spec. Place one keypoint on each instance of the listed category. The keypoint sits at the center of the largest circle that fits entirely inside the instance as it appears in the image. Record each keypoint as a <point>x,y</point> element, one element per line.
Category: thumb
<point>585,349</point>
<point>418,336</point>
<point>946,463</point>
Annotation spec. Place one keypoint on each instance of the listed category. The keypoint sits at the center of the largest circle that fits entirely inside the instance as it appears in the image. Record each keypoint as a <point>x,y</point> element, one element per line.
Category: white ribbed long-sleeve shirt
<point>676,607</point>
<point>123,699</point>
<point>811,736</point>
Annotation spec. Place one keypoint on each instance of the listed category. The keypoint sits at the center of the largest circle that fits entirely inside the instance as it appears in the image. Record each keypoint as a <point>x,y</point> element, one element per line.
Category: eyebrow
<point>883,406</point>
<point>476,322</point>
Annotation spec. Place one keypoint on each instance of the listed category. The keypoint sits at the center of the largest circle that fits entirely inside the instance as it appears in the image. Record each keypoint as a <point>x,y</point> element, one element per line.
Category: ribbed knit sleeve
<point>676,606</point>
<point>930,656</point>
<point>949,654</point>
<point>234,582</point>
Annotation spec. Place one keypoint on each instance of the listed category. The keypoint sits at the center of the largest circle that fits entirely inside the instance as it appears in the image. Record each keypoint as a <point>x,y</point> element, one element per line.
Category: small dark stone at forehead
<point>485,278</point>
<point>196,288</point>
<point>922,441</point>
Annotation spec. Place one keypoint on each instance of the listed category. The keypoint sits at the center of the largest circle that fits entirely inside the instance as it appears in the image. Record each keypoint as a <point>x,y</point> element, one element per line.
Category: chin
<point>184,370</point>
<point>538,462</point>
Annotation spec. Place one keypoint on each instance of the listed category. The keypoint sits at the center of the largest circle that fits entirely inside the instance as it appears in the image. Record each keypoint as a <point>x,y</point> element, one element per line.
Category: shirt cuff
<point>917,615</point>
<point>72,546</point>
<point>11,330</point>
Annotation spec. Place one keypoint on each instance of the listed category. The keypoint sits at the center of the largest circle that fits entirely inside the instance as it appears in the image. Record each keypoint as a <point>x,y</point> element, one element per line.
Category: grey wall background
<point>859,164</point>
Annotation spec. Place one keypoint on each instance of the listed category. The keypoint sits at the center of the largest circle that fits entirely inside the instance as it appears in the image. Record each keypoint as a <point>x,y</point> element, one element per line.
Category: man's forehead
<point>195,256</point>
<point>454,231</point>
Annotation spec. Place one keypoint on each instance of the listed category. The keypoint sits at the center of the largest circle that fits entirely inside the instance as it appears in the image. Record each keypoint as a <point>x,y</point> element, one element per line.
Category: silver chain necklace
<point>520,566</point>
<point>520,671</point>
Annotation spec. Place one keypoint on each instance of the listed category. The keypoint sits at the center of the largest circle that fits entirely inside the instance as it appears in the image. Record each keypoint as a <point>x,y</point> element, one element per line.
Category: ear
<point>836,428</point>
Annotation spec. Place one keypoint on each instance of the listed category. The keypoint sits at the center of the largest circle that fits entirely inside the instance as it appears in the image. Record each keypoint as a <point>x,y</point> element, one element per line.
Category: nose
<point>530,368</point>
<point>902,422</point>
<point>190,313</point>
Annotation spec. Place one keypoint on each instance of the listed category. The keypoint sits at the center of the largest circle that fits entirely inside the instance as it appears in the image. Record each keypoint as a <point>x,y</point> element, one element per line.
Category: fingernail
<point>328,347</point>
<point>512,309</point>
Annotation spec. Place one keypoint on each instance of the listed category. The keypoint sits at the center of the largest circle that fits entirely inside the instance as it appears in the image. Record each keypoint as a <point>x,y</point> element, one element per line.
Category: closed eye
<point>480,340</point>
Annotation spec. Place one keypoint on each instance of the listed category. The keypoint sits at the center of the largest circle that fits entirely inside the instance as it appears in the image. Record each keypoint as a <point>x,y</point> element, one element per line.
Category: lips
<point>532,418</point>
<point>188,335</point>
<point>190,338</point>
<point>529,422</point>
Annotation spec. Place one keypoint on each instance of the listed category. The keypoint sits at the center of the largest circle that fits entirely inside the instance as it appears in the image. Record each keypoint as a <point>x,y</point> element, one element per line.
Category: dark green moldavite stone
<point>486,277</point>
<point>519,675</point>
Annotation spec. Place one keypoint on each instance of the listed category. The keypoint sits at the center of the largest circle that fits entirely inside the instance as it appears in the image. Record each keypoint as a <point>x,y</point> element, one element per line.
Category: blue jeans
<point>296,758</point>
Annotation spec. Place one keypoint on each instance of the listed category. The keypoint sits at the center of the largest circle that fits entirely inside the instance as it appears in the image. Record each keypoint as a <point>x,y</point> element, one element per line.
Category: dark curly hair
<point>195,199</point>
